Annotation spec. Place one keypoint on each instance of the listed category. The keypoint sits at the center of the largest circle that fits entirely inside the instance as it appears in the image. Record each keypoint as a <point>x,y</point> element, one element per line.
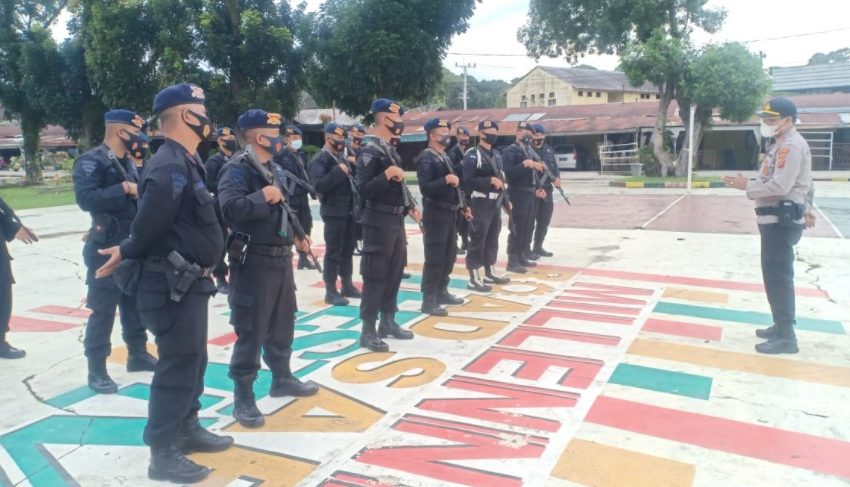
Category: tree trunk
<point>31,127</point>
<point>699,129</point>
<point>656,140</point>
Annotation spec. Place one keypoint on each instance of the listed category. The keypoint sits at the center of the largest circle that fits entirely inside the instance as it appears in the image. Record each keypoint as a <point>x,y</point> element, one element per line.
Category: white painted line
<point>665,210</point>
<point>834,228</point>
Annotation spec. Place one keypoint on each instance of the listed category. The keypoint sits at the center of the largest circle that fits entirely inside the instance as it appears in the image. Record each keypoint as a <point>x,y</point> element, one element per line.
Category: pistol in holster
<point>185,274</point>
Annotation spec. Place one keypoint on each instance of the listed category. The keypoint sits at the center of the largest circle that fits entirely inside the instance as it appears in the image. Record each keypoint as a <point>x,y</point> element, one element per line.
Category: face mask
<point>538,142</point>
<point>445,140</point>
<point>526,140</point>
<point>203,130</point>
<point>276,145</point>
<point>490,138</point>
<point>463,142</point>
<point>231,145</point>
<point>338,145</point>
<point>135,145</point>
<point>356,141</point>
<point>296,144</point>
<point>395,142</point>
<point>397,127</point>
<point>768,130</point>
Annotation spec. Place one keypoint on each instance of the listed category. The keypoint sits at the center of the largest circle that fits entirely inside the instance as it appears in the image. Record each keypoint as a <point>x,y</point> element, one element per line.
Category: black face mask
<point>526,140</point>
<point>135,144</point>
<point>463,142</point>
<point>538,142</point>
<point>231,145</point>
<point>445,140</point>
<point>490,138</point>
<point>203,130</point>
<point>338,145</point>
<point>396,127</point>
<point>395,142</point>
<point>276,145</point>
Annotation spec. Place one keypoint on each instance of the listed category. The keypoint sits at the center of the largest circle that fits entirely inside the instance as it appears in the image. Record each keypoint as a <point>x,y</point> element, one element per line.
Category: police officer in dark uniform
<point>456,153</point>
<point>441,200</point>
<point>784,198</point>
<point>10,228</point>
<point>545,206</point>
<point>356,134</point>
<point>292,161</point>
<point>175,239</point>
<point>483,180</point>
<point>105,184</point>
<point>139,153</point>
<point>334,180</point>
<point>380,182</point>
<point>523,174</point>
<point>262,300</point>
<point>227,146</point>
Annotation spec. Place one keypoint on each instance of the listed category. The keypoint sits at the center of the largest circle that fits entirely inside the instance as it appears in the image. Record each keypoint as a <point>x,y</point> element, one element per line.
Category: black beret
<point>437,123</point>
<point>487,124</point>
<point>334,128</point>
<point>255,118</point>
<point>293,130</point>
<point>387,106</point>
<point>224,131</point>
<point>524,126</point>
<point>182,94</point>
<point>538,128</point>
<point>358,128</point>
<point>124,116</point>
<point>462,130</point>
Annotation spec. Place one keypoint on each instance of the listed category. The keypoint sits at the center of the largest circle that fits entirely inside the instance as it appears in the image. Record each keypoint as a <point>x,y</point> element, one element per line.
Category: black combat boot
<point>766,333</point>
<point>304,261</point>
<point>9,352</point>
<point>475,283</point>
<point>490,276</point>
<point>222,287</point>
<point>332,296</point>
<point>169,464</point>
<point>515,265</point>
<point>406,275</point>
<point>139,360</point>
<point>389,328</point>
<point>286,384</point>
<point>99,379</point>
<point>532,256</point>
<point>539,250</point>
<point>525,261</point>
<point>444,297</point>
<point>245,408</point>
<point>349,290</point>
<point>430,306</point>
<point>195,438</point>
<point>784,340</point>
<point>369,337</point>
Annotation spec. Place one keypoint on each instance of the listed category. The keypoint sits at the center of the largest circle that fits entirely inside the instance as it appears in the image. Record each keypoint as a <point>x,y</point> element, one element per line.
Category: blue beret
<point>224,131</point>
<point>538,128</point>
<point>487,124</point>
<point>293,130</point>
<point>437,123</point>
<point>254,118</point>
<point>524,126</point>
<point>358,128</point>
<point>462,130</point>
<point>387,106</point>
<point>182,94</point>
<point>333,128</point>
<point>125,117</point>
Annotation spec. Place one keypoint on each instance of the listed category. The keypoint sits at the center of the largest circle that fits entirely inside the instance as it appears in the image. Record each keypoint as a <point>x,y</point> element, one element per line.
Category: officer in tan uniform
<point>783,195</point>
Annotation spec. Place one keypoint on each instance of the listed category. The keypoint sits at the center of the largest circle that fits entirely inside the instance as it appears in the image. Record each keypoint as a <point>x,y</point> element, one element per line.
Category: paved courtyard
<point>626,360</point>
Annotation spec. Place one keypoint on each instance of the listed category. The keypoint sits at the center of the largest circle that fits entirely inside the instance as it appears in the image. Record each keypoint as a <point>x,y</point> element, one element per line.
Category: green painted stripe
<point>143,392</point>
<point>71,397</point>
<point>746,317</point>
<point>660,380</point>
<point>654,185</point>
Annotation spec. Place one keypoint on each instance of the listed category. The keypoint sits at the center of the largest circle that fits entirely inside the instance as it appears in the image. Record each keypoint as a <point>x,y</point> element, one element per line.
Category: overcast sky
<point>493,30</point>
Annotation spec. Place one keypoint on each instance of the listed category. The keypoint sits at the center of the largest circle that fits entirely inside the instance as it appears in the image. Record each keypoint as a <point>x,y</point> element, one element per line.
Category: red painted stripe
<point>825,455</point>
<point>346,479</point>
<point>594,307</point>
<point>63,311</point>
<point>223,340</point>
<point>22,323</point>
<point>543,316</point>
<point>682,329</point>
<point>519,335</point>
<point>615,289</point>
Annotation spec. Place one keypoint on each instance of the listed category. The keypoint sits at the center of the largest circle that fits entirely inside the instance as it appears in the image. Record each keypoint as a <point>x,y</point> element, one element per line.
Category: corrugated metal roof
<point>815,77</point>
<point>597,79</point>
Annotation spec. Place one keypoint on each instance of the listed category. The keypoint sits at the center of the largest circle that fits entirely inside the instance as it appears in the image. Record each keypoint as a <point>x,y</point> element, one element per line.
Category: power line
<point>793,36</point>
<point>487,54</point>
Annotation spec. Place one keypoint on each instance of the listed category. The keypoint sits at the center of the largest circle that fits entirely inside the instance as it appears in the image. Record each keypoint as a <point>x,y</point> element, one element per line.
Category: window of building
<point>551,94</point>
<point>551,102</point>
<point>580,93</point>
<point>523,97</point>
<point>541,98</point>
<point>657,97</point>
<point>523,104</point>
<point>598,94</point>
<point>532,98</point>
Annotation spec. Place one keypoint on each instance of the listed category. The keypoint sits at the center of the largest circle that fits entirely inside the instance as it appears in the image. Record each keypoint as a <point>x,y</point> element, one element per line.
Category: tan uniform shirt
<point>786,174</point>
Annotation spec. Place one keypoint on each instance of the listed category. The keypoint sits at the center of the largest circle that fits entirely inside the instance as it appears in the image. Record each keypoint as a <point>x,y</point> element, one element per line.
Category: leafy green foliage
<point>482,94</point>
<point>837,56</point>
<point>363,49</point>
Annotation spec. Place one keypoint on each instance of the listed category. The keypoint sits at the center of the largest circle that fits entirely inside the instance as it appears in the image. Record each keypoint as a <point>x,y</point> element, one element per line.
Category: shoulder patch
<point>365,158</point>
<point>782,157</point>
<point>178,182</point>
<point>89,165</point>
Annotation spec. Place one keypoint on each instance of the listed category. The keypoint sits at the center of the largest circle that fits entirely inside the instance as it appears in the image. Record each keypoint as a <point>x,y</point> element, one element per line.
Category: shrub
<point>651,167</point>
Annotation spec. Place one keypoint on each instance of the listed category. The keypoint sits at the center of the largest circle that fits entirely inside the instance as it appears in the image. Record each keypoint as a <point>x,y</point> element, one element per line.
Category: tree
<point>30,81</point>
<point>837,56</point>
<point>653,38</point>
<point>81,110</point>
<point>363,49</point>
<point>482,94</point>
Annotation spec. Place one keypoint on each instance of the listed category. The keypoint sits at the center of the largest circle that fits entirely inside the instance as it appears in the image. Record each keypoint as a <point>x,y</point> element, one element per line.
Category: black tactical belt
<point>270,250</point>
<point>443,205</point>
<point>393,210</point>
<point>764,211</point>
<point>158,264</point>
<point>522,189</point>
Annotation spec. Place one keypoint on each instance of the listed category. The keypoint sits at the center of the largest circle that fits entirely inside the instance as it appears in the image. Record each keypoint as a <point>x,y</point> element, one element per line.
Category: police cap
<point>386,105</point>
<point>182,94</point>
<point>333,128</point>
<point>778,107</point>
<point>124,116</point>
<point>538,128</point>
<point>436,123</point>
<point>292,130</point>
<point>487,124</point>
<point>255,118</point>
<point>224,132</point>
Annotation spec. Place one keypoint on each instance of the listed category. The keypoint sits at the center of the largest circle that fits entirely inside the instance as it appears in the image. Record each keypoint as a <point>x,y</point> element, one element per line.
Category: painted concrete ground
<point>626,361</point>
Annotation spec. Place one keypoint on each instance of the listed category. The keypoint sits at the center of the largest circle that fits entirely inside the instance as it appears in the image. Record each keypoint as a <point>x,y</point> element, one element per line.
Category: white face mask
<point>296,144</point>
<point>768,130</point>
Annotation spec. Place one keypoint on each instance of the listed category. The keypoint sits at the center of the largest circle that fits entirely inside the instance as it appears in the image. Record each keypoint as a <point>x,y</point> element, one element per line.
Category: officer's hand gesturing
<point>528,163</point>
<point>394,173</point>
<point>25,236</point>
<point>108,268</point>
<point>496,182</point>
<point>344,168</point>
<point>811,220</point>
<point>131,189</point>
<point>452,180</point>
<point>272,194</point>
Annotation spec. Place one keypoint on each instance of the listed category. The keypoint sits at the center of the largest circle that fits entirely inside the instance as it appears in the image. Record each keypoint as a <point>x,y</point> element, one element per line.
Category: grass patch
<point>42,196</point>
<point>682,179</point>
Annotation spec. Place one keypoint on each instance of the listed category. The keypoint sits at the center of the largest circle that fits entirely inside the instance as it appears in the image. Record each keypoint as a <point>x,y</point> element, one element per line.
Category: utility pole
<point>465,94</point>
